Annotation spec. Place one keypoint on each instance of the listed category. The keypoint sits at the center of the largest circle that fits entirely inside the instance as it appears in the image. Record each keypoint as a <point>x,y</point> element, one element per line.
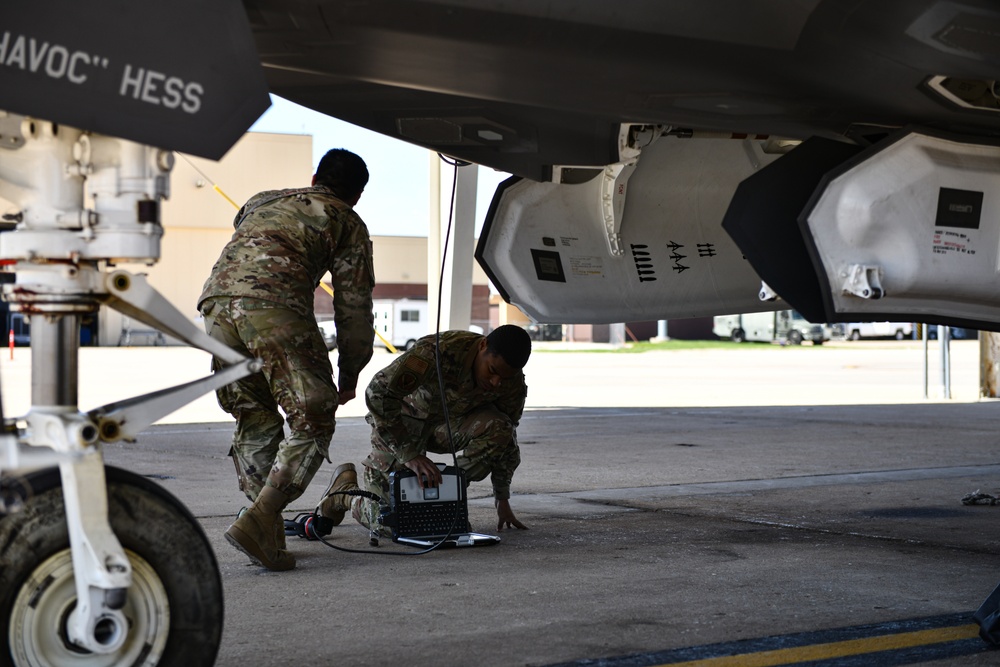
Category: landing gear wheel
<point>174,606</point>
<point>48,596</point>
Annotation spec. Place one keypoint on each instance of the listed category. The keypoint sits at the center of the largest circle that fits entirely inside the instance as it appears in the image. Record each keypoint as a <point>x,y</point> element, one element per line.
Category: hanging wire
<point>437,359</point>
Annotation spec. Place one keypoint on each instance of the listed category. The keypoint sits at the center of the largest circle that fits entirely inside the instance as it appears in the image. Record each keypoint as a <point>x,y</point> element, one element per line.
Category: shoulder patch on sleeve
<point>416,364</point>
<point>405,382</point>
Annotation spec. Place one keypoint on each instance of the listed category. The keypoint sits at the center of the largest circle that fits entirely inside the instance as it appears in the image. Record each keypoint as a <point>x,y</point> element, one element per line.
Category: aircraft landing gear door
<point>630,242</point>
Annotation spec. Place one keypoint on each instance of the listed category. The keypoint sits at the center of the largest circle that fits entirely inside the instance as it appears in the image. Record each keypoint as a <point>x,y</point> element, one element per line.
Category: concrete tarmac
<point>761,505</point>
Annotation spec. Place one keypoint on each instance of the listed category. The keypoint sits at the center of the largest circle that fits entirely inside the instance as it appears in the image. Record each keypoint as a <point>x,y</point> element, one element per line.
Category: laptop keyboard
<point>431,519</point>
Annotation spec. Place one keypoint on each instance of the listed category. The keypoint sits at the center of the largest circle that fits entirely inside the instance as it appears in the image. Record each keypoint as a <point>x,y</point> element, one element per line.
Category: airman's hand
<point>506,516</point>
<point>428,474</point>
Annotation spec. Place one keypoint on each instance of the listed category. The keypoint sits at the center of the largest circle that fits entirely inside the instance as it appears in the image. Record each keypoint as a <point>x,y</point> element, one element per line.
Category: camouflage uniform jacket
<point>285,242</point>
<point>409,387</point>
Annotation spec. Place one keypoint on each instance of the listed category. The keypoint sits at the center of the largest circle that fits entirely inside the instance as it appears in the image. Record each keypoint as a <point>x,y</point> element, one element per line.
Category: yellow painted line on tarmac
<point>833,650</point>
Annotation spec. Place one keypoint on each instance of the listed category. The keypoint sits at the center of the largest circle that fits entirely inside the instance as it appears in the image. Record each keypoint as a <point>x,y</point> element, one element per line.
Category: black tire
<point>171,559</point>
<point>739,336</point>
<point>900,335</point>
<point>794,337</point>
<point>855,335</point>
<point>409,344</point>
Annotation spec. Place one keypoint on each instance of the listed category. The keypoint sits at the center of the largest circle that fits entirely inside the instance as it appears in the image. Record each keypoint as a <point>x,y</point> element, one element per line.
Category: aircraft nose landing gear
<point>97,566</point>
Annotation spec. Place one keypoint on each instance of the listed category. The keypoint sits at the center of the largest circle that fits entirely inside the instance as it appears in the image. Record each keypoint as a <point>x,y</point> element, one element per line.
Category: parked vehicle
<point>21,326</point>
<point>955,333</point>
<point>545,331</point>
<point>400,321</point>
<point>834,331</point>
<point>329,330</point>
<point>859,330</point>
<point>782,326</point>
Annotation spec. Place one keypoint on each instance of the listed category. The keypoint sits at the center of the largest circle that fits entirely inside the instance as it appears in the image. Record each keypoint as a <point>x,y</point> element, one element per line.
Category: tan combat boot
<point>255,532</point>
<point>279,530</point>
<point>344,478</point>
<point>279,533</point>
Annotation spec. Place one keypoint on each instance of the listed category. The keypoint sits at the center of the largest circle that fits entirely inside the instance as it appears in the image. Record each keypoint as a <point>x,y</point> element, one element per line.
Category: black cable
<point>455,163</point>
<point>378,499</point>
<point>437,324</point>
<point>437,328</point>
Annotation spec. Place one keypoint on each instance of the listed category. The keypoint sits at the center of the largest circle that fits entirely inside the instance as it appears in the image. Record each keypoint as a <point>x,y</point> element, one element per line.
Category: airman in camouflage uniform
<point>484,390</point>
<point>259,300</point>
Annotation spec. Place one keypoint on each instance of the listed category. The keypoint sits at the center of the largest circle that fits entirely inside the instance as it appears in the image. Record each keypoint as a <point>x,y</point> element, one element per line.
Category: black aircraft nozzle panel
<point>763,221</point>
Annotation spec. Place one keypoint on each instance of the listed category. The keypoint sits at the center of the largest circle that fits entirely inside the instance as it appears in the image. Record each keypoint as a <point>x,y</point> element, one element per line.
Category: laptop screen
<point>432,512</point>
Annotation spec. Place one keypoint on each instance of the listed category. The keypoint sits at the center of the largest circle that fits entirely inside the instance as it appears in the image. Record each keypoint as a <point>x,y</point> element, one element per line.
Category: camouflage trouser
<point>482,438</point>
<point>297,376</point>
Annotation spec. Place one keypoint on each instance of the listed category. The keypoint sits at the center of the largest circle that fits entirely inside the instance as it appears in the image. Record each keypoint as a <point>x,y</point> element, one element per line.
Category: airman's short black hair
<point>512,343</point>
<point>343,172</point>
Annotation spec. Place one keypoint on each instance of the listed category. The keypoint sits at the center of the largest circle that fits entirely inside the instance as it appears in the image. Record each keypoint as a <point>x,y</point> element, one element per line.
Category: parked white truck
<point>859,330</point>
<point>782,326</point>
<point>400,321</point>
